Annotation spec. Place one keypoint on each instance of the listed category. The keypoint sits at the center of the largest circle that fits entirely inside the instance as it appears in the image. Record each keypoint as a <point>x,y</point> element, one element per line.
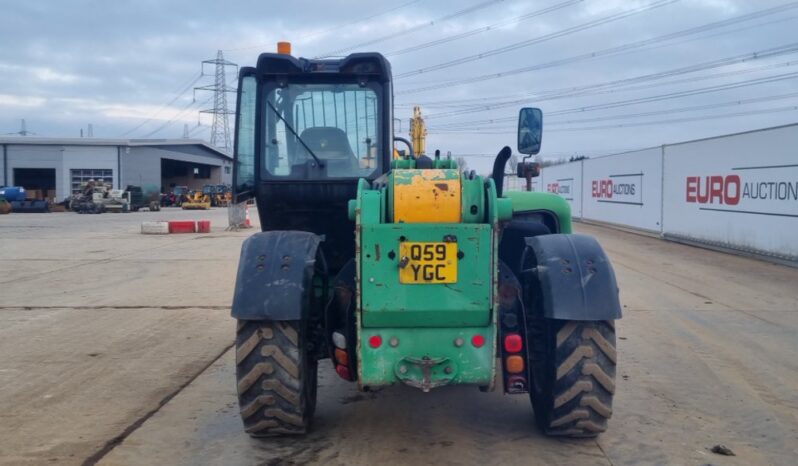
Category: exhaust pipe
<point>498,168</point>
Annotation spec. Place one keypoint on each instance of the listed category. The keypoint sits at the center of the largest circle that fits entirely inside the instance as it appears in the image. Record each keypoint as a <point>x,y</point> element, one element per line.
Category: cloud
<point>50,75</point>
<point>38,73</point>
<point>115,64</point>
<point>18,102</point>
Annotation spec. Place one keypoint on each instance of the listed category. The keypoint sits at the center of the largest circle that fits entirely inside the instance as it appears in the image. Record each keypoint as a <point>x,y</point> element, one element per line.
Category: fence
<point>738,191</point>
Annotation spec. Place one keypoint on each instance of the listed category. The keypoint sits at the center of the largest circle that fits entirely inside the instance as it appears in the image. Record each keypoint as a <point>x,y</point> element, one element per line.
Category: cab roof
<point>371,64</point>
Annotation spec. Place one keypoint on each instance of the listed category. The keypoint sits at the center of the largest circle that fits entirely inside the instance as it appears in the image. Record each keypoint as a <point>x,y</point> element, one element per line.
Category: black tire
<point>573,371</point>
<point>276,378</point>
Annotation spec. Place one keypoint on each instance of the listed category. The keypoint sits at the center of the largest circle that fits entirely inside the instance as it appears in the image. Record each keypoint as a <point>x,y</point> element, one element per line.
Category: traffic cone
<point>248,220</point>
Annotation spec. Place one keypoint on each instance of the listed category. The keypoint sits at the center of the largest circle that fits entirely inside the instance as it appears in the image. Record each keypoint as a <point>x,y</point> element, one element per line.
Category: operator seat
<point>331,144</point>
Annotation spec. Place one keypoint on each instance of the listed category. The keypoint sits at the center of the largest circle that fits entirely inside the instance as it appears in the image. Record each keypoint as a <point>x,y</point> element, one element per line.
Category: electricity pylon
<point>220,129</point>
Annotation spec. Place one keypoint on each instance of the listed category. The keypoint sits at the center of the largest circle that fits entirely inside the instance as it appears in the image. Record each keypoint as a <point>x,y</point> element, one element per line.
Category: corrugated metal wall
<point>141,165</point>
<point>62,159</point>
<point>136,165</point>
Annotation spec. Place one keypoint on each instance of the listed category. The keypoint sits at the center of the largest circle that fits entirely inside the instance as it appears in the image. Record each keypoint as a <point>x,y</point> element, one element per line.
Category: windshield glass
<point>337,122</point>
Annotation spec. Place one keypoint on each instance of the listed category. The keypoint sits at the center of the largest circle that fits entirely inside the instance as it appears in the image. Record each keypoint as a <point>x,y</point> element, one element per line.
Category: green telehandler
<point>403,270</point>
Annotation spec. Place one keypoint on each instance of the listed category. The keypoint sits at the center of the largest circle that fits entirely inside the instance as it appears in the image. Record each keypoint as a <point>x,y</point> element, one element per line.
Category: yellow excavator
<point>222,196</point>
<point>418,134</point>
<point>197,200</point>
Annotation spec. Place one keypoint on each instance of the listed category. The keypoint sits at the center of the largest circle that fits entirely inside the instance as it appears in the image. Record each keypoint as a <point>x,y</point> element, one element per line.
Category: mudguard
<point>274,275</point>
<point>512,245</point>
<point>576,279</point>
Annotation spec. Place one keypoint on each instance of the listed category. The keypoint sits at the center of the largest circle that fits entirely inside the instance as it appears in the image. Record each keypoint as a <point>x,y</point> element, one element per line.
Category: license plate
<point>428,262</point>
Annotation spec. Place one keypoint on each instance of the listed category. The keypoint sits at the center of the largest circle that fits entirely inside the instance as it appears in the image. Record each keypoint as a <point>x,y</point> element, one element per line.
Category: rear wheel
<point>573,371</point>
<point>276,378</point>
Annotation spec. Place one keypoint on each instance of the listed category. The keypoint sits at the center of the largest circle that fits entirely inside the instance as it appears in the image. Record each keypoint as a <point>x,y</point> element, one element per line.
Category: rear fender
<point>275,274</point>
<point>574,276</point>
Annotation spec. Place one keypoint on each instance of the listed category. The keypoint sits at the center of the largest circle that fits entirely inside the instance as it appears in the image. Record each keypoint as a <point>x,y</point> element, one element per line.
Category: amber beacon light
<point>284,48</point>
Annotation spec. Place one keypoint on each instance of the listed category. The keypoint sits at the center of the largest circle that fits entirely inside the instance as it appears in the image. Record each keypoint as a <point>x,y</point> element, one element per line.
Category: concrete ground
<point>116,350</point>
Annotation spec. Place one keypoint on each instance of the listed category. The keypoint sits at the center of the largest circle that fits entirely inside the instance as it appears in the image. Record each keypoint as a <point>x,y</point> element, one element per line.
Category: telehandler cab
<point>403,270</point>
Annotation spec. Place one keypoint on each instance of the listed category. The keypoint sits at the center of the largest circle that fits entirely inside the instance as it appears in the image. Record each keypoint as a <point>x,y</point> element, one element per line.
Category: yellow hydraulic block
<point>426,196</point>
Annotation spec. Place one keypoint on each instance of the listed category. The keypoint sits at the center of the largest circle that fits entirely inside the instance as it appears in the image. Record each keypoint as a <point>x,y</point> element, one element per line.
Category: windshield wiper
<point>288,125</point>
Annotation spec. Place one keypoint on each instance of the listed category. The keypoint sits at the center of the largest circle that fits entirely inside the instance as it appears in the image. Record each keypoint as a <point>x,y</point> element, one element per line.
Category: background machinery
<point>403,271</point>
<point>17,200</point>
<point>138,199</point>
<point>5,206</point>
<point>418,132</point>
<point>223,196</point>
<point>98,197</point>
<point>196,200</point>
<point>220,195</point>
<point>178,195</point>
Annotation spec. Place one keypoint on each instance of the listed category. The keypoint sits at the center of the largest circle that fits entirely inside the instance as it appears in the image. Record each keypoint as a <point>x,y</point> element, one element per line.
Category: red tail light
<point>513,343</point>
<point>375,341</point>
<point>343,371</point>
<point>478,341</point>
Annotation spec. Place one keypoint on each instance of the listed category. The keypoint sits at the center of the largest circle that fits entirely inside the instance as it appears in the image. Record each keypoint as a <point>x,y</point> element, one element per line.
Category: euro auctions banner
<point>565,180</point>
<point>625,189</point>
<point>755,185</point>
<point>739,191</point>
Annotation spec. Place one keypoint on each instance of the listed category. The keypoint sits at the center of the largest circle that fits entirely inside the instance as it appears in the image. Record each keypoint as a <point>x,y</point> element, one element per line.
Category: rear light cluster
<point>515,380</point>
<point>513,344</point>
<point>343,366</point>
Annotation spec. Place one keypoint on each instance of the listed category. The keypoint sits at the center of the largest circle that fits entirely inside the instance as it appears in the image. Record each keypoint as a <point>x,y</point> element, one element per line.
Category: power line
<point>684,120</point>
<point>176,117</point>
<point>537,40</point>
<point>693,108</point>
<point>491,27</point>
<point>197,129</point>
<point>182,90</point>
<point>590,152</point>
<point>648,99</point>
<point>415,28</point>
<point>649,123</point>
<point>679,94</point>
<point>475,102</point>
<point>335,28</point>
<point>361,20</point>
<point>608,51</point>
<point>549,95</point>
<point>621,83</point>
<point>732,103</point>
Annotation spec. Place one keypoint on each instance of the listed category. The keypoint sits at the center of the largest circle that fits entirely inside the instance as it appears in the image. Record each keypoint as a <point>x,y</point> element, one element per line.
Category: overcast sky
<point>65,64</point>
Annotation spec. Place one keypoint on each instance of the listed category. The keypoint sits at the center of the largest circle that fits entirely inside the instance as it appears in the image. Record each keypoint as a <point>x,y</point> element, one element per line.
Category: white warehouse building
<point>54,168</point>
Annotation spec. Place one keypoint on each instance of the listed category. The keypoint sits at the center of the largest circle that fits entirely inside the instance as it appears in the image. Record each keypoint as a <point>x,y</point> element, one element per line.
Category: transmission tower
<point>220,129</point>
<point>23,131</point>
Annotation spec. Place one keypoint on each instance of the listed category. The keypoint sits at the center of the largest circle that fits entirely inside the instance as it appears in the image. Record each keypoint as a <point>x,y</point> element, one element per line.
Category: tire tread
<point>578,399</point>
<point>269,369</point>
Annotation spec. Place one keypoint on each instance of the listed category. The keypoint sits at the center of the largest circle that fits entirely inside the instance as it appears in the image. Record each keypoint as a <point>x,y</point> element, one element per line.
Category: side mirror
<point>528,170</point>
<point>530,130</point>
